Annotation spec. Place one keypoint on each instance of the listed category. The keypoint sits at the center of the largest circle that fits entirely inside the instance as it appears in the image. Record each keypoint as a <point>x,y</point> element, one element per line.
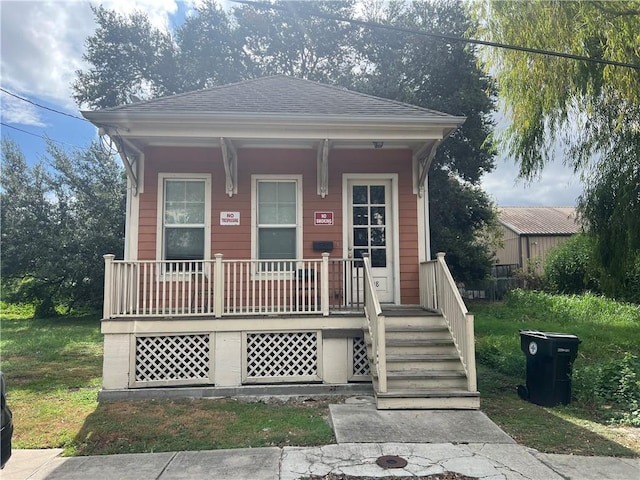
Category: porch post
<point>324,284</point>
<point>218,286</point>
<point>108,282</point>
<point>472,383</point>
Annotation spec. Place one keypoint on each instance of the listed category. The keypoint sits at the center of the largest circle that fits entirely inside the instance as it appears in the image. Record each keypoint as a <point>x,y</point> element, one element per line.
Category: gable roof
<point>282,95</point>
<point>539,220</point>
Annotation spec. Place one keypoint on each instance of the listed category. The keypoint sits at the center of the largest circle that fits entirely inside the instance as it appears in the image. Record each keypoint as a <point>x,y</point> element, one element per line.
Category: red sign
<point>323,218</point>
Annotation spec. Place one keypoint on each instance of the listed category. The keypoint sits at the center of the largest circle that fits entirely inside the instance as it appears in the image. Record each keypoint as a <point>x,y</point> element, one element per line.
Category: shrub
<point>571,268</point>
<point>613,387</point>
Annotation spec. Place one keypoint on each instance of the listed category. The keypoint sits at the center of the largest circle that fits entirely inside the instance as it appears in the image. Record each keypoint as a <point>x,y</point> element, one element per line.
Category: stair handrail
<point>375,325</point>
<point>446,298</point>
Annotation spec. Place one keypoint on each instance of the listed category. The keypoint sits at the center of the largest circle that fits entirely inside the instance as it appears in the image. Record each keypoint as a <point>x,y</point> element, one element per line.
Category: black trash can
<point>550,359</point>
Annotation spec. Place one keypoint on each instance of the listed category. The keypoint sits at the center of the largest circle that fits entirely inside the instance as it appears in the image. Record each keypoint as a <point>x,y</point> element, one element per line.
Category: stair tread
<point>418,341</point>
<point>417,393</point>
<point>416,328</point>
<point>425,374</point>
<point>434,357</point>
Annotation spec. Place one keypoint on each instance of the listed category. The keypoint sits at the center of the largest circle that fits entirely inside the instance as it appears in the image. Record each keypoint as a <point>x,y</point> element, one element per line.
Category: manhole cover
<point>391,461</point>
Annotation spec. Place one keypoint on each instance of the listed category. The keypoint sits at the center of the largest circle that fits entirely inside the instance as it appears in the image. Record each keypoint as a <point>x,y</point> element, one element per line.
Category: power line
<point>39,136</point>
<point>42,106</point>
<point>442,36</point>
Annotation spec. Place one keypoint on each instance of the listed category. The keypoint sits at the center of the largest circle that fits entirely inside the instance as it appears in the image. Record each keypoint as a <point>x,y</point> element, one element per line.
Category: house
<point>529,233</point>
<point>277,233</point>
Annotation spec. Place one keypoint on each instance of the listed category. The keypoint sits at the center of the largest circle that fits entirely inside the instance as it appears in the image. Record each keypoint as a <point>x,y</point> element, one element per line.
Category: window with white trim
<point>277,219</point>
<point>185,212</point>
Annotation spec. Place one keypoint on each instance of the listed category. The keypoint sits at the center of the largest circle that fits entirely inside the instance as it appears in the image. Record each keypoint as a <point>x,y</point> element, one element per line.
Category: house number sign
<point>229,218</point>
<point>323,218</point>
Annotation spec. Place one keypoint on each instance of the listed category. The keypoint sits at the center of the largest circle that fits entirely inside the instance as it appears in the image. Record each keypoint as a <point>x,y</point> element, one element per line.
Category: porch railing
<point>226,287</point>
<point>375,326</point>
<point>439,292</point>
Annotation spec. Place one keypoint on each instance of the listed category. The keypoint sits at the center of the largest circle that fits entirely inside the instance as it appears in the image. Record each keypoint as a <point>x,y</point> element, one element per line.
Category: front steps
<point>424,370</point>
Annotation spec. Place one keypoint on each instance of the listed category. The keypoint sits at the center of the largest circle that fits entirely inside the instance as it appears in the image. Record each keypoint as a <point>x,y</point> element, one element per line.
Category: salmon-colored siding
<point>234,242</point>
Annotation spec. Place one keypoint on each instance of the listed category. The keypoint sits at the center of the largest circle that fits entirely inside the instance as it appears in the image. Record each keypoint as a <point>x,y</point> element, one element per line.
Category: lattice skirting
<point>282,357</point>
<point>173,359</point>
<point>360,363</point>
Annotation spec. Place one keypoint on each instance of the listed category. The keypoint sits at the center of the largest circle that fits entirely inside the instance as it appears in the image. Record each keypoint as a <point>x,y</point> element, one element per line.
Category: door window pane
<point>360,195</point>
<point>361,237</point>
<point>377,195</point>
<point>378,216</point>
<point>379,257</point>
<point>360,216</point>
<point>377,237</point>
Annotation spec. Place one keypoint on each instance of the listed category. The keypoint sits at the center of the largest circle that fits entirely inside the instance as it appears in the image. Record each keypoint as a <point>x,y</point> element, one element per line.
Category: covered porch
<point>228,323</point>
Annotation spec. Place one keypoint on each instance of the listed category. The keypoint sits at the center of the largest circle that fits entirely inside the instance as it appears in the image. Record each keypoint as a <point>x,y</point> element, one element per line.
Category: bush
<point>613,387</point>
<point>571,268</point>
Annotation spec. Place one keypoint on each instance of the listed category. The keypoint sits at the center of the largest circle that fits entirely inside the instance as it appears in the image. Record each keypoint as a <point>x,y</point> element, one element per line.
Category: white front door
<point>370,230</point>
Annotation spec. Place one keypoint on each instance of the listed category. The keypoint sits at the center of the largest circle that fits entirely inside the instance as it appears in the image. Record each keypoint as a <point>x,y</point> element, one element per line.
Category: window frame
<point>255,226</point>
<point>160,223</point>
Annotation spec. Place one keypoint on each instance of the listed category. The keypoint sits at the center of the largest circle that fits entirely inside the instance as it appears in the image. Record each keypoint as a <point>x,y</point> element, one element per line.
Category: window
<point>277,218</point>
<point>184,218</point>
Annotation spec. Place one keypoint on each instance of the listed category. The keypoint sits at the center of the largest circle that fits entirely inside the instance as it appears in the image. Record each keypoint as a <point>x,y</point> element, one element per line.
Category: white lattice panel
<point>172,359</point>
<point>285,356</point>
<point>360,370</point>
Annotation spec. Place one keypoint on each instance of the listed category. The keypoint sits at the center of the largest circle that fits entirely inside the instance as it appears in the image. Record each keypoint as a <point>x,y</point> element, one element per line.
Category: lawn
<point>604,415</point>
<point>53,367</point>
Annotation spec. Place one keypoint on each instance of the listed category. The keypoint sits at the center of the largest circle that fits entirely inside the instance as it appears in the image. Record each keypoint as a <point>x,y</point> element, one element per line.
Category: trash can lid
<point>547,335</point>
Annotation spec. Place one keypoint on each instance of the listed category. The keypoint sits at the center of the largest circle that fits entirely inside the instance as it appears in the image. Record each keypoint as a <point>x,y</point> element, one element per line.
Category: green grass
<point>53,369</point>
<point>605,411</point>
<point>54,366</point>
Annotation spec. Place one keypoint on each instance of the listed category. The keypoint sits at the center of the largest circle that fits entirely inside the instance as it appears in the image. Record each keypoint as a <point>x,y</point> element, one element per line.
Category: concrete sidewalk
<point>430,442</point>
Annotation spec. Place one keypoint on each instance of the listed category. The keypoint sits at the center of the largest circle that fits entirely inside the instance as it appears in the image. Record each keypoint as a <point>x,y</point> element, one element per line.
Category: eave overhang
<point>151,128</point>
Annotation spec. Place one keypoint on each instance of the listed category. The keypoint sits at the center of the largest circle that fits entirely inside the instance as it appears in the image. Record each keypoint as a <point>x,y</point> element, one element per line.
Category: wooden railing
<point>375,326</point>
<point>438,291</point>
<point>221,287</point>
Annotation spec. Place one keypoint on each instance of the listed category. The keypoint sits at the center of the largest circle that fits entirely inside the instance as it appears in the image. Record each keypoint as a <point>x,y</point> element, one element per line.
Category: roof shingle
<point>281,94</point>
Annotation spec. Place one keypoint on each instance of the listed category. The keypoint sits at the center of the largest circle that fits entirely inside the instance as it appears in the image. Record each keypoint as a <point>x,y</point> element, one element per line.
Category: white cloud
<point>19,112</point>
<point>43,41</point>
<point>556,186</point>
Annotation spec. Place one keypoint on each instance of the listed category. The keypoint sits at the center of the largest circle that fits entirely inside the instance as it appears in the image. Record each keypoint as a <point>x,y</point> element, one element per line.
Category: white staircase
<point>423,367</point>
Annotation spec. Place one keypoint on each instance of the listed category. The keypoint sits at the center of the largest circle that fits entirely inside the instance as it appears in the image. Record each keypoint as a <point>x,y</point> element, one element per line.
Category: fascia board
<point>245,123</point>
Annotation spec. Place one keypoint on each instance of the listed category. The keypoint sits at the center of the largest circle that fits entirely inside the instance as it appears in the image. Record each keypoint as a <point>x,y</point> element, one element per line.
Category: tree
<point>128,57</point>
<point>210,52</point>
<point>217,47</point>
<point>57,222</point>
<point>294,42</point>
<point>593,108</point>
<point>442,76</point>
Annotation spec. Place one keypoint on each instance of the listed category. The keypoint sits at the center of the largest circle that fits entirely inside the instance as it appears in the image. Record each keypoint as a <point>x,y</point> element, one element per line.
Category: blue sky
<point>41,48</point>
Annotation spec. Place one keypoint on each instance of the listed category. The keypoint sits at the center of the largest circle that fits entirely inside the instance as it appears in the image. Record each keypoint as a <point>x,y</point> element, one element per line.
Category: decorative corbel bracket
<point>323,168</point>
<point>422,159</point>
<point>130,161</point>
<point>230,160</point>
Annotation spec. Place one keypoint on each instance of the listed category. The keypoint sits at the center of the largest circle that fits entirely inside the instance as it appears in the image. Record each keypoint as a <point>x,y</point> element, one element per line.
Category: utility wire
<point>39,136</point>
<point>42,106</point>
<point>374,25</point>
